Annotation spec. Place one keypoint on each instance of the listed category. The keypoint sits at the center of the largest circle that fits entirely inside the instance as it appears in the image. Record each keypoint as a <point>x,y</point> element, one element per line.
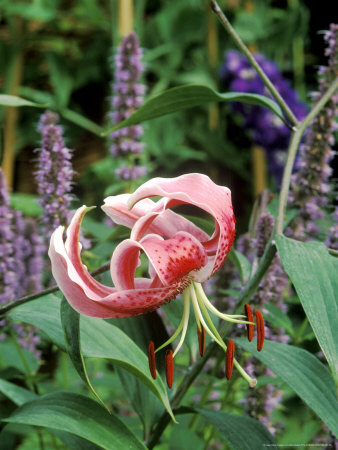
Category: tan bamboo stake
<point>126,17</point>
<point>11,117</point>
<point>259,169</point>
<point>212,47</point>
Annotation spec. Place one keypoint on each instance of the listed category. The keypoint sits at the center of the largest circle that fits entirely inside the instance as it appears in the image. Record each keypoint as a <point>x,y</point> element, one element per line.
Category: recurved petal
<point>85,300</point>
<point>149,217</point>
<point>167,223</point>
<point>71,251</point>
<point>116,208</point>
<point>198,190</point>
<point>172,260</point>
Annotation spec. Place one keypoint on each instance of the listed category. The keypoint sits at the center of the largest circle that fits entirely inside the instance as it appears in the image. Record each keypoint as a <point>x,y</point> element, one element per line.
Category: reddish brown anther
<point>249,328</point>
<point>151,359</point>
<point>229,359</point>
<point>201,339</point>
<point>260,330</point>
<point>169,367</point>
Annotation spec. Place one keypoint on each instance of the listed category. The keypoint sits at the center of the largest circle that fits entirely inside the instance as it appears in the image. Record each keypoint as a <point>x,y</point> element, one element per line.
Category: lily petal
<point>199,190</point>
<point>151,217</point>
<point>86,300</point>
<point>172,259</point>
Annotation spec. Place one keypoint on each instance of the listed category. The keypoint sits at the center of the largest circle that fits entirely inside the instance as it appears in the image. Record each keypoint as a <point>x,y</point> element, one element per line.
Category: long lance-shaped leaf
<point>304,373</point>
<point>12,100</point>
<point>79,415</point>
<point>19,396</point>
<point>70,320</point>
<point>314,274</point>
<point>240,432</point>
<point>98,339</point>
<point>188,96</point>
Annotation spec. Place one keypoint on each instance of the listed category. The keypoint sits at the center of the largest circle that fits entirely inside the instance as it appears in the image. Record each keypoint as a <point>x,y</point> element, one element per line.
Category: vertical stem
<point>295,139</point>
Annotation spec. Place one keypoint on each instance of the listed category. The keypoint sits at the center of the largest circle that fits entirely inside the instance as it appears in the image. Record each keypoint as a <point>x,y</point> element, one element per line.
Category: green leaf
<point>240,432</point>
<point>278,318</point>
<point>26,203</point>
<point>12,100</point>
<point>188,96</point>
<point>304,373</point>
<point>78,415</point>
<point>70,320</point>
<point>99,339</point>
<point>17,394</point>
<point>81,121</point>
<point>313,272</point>
<point>241,263</point>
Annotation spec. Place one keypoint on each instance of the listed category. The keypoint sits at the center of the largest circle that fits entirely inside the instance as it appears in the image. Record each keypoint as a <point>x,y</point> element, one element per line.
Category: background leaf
<point>99,339</point>
<point>78,415</point>
<point>70,320</point>
<point>12,100</point>
<point>240,432</point>
<point>19,396</point>
<point>304,373</point>
<point>313,272</point>
<point>188,96</point>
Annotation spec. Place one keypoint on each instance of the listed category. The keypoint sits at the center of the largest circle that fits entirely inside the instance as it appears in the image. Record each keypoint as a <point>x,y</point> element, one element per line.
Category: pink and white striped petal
<point>85,298</point>
<point>199,190</point>
<point>173,260</point>
<point>150,217</point>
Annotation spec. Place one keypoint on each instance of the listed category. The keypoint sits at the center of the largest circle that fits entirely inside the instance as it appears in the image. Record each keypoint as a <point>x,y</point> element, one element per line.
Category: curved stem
<point>240,44</point>
<point>293,147</point>
<point>50,290</point>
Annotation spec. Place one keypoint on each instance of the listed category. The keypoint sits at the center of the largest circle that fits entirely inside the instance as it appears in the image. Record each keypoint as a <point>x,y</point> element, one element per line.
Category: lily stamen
<point>195,295</point>
<point>260,330</point>
<point>151,359</point>
<point>229,361</point>
<point>201,339</point>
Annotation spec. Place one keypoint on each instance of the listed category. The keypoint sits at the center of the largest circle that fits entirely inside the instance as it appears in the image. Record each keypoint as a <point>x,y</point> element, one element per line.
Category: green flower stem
<point>240,44</point>
<point>293,147</point>
<point>28,298</point>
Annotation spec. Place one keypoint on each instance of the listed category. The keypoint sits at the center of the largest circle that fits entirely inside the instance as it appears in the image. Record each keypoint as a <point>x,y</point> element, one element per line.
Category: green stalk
<point>240,44</point>
<point>28,298</point>
<point>294,143</point>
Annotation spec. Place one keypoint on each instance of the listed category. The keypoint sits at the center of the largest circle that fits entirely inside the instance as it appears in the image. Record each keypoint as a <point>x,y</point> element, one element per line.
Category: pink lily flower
<point>181,256</point>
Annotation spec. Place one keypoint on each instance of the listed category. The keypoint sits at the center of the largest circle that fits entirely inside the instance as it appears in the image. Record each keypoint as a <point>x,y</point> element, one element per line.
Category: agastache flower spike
<point>181,256</point>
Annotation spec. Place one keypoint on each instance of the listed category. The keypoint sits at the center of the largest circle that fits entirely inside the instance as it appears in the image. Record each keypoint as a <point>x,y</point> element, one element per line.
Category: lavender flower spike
<point>54,174</point>
<point>7,261</point>
<point>310,184</point>
<point>128,96</point>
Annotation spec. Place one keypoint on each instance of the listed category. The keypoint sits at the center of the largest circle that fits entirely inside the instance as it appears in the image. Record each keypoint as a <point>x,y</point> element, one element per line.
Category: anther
<point>249,328</point>
<point>229,359</point>
<point>169,367</point>
<point>201,339</point>
<point>260,330</point>
<point>151,359</point>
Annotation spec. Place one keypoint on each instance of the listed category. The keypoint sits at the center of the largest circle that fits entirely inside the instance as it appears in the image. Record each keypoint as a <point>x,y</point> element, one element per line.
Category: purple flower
<point>265,129</point>
<point>310,183</point>
<point>17,266</point>
<point>54,174</point>
<point>7,256</point>
<point>127,97</point>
